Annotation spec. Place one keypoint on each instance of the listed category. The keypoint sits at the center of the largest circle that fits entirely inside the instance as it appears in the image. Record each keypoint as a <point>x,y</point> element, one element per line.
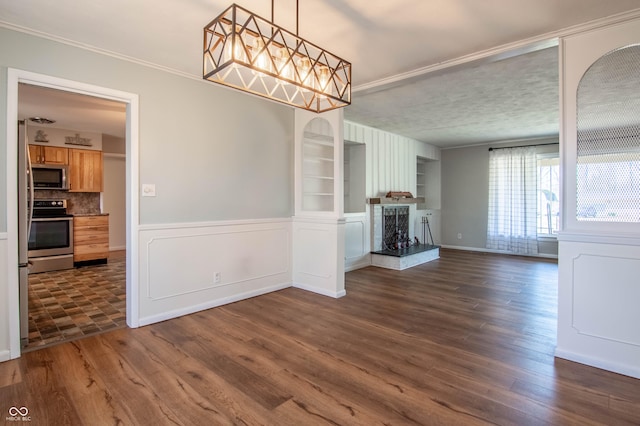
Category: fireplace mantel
<point>395,200</point>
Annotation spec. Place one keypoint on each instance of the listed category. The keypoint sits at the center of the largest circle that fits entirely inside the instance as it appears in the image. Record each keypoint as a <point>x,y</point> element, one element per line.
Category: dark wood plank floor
<point>464,340</point>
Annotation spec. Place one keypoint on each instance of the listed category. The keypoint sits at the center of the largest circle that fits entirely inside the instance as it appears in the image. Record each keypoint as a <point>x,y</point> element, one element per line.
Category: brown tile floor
<point>66,305</point>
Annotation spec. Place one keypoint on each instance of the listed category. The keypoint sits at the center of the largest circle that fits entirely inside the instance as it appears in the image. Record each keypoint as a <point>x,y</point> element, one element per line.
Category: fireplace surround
<point>394,242</point>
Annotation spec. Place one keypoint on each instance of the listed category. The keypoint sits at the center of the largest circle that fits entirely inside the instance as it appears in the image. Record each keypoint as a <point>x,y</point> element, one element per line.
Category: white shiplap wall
<point>391,158</point>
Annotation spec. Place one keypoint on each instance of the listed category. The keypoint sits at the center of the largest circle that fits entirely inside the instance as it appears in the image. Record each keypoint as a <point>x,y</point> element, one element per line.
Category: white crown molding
<point>69,42</point>
<point>495,54</point>
<point>131,59</point>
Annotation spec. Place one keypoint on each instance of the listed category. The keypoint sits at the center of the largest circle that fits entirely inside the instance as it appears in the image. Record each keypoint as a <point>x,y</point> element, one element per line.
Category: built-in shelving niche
<point>317,167</point>
<point>421,181</point>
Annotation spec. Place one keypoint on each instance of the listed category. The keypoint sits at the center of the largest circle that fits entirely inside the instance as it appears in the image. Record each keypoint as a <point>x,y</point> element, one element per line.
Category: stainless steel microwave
<point>50,176</point>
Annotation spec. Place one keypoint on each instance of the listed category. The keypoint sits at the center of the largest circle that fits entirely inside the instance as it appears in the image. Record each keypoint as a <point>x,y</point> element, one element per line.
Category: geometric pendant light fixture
<point>252,54</point>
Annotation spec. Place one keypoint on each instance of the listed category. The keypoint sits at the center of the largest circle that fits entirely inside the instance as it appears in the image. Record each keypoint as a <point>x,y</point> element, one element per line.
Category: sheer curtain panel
<point>513,196</point>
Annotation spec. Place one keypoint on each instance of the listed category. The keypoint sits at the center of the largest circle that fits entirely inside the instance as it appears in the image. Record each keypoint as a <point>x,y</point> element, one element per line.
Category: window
<point>513,180</point>
<point>548,195</point>
<point>524,198</point>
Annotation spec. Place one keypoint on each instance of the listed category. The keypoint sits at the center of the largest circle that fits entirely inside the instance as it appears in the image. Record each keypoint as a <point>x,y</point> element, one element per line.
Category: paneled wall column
<point>599,245</point>
<point>318,224</point>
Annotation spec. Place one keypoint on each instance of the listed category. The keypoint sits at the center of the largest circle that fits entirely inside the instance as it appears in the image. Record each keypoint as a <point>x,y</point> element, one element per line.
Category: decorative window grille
<point>608,149</point>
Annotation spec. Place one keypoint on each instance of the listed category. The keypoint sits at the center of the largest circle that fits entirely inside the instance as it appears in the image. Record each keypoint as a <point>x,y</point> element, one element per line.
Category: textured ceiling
<point>381,39</point>
<point>510,99</point>
<point>72,110</point>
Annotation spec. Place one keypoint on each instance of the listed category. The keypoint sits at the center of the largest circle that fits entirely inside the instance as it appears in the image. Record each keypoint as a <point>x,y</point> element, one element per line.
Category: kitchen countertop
<point>90,214</point>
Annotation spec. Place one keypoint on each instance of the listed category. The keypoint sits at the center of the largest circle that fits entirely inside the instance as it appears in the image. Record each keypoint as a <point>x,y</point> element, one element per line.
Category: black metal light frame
<point>249,53</point>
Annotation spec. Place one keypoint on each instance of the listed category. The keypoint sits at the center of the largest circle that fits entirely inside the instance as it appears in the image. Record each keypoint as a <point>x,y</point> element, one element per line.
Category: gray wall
<point>113,144</point>
<point>213,153</point>
<point>465,189</point>
<point>114,200</point>
<point>465,194</point>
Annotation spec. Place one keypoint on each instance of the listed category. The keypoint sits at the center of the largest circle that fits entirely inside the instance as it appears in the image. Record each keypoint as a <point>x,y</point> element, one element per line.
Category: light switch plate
<point>148,190</point>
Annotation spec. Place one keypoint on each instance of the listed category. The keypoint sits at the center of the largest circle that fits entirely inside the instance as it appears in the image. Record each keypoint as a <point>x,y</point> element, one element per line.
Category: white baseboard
<point>486,250</point>
<point>5,355</point>
<point>358,265</point>
<point>322,291</point>
<point>210,304</point>
<point>627,370</point>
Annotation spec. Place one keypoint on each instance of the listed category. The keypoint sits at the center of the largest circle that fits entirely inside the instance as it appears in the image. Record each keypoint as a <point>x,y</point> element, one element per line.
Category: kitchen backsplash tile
<point>77,202</point>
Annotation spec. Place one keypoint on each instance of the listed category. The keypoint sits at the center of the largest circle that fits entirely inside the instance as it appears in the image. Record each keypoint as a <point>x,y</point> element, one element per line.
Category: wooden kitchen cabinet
<point>85,170</point>
<point>90,238</point>
<point>41,154</point>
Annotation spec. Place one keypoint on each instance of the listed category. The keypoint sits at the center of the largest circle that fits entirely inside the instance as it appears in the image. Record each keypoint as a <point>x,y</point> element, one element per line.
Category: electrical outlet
<point>459,235</point>
<point>217,277</point>
<point>148,189</point>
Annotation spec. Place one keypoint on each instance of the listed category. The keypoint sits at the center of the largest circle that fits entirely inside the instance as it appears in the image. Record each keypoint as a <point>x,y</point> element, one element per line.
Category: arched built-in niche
<point>608,139</point>
<point>318,166</point>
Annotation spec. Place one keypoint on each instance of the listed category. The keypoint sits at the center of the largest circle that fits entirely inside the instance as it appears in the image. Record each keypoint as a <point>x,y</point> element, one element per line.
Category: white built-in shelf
<point>318,160</point>
<point>318,139</point>
<point>317,172</point>
<point>319,177</point>
<point>420,182</point>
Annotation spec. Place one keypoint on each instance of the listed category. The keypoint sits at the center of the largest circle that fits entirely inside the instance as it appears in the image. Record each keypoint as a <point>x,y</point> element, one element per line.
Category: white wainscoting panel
<point>597,289</point>
<point>314,257</point>
<point>599,305</point>
<point>357,245</point>
<point>178,265</point>
<point>318,257</point>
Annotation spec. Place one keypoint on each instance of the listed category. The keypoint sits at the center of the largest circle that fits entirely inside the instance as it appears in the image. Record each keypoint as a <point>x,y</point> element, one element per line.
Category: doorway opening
<point>98,293</point>
<point>85,136</point>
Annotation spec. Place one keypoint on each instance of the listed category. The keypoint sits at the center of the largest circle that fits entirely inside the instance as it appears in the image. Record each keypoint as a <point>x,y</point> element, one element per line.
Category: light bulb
<point>262,59</point>
<point>234,47</point>
<point>323,79</point>
<point>285,68</point>
<point>304,70</point>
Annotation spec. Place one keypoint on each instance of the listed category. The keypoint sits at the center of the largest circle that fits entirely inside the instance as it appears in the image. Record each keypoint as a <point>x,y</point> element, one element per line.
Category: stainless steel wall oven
<point>51,237</point>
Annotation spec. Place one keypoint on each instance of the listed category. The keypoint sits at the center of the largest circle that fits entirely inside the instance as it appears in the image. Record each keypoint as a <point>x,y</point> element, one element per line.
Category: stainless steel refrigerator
<point>25,215</point>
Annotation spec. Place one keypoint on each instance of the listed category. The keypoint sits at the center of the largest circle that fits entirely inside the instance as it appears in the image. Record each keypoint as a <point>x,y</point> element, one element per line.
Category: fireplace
<point>395,227</point>
<point>394,242</point>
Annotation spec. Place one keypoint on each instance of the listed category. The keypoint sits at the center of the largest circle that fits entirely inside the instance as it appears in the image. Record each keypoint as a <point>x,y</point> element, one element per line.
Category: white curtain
<point>513,200</point>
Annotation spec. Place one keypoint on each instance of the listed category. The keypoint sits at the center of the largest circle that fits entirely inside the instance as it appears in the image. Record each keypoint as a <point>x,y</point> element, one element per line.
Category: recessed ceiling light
<point>42,120</point>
